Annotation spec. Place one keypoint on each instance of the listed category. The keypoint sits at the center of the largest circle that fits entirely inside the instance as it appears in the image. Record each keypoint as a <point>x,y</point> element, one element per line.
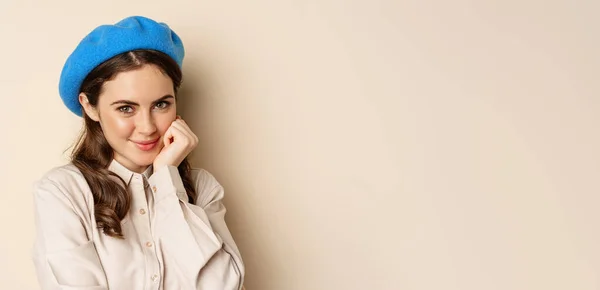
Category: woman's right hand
<point>179,141</point>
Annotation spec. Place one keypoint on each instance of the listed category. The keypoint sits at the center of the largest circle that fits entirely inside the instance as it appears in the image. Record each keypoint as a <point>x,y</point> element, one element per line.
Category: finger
<point>179,135</point>
<point>193,136</point>
<point>167,138</point>
<point>187,131</point>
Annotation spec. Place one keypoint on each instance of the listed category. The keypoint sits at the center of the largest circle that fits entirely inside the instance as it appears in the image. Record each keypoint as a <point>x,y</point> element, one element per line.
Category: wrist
<point>158,166</point>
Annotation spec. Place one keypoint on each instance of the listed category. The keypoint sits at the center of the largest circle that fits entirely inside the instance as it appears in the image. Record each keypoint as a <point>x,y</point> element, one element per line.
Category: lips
<point>146,142</point>
<point>146,145</point>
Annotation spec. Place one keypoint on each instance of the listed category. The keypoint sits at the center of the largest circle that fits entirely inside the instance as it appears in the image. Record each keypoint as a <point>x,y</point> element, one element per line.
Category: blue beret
<point>107,41</point>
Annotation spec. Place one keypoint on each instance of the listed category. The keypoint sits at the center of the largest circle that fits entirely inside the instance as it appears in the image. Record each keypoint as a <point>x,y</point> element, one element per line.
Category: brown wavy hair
<point>92,154</point>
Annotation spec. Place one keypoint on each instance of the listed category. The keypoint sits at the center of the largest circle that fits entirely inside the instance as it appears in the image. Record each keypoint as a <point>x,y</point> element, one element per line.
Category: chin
<point>144,160</point>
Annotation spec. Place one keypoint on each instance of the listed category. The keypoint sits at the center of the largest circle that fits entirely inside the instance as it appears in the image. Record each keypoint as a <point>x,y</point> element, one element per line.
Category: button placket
<point>140,187</point>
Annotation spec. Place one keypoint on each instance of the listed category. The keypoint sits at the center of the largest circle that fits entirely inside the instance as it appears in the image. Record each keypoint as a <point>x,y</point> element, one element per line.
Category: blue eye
<point>163,105</point>
<point>125,109</point>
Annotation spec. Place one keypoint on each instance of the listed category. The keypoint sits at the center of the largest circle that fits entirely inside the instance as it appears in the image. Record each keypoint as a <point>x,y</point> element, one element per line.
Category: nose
<point>145,124</point>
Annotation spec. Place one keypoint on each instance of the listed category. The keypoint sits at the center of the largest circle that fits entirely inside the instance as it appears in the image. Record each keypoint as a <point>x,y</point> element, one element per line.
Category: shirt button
<point>154,188</point>
<point>142,211</point>
<point>149,244</point>
<point>154,278</point>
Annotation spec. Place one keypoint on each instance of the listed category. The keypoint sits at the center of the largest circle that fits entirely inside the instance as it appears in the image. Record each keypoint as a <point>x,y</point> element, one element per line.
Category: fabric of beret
<point>107,41</point>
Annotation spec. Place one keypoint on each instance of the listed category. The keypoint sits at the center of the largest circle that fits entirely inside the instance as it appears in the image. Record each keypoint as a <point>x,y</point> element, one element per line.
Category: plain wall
<point>362,144</point>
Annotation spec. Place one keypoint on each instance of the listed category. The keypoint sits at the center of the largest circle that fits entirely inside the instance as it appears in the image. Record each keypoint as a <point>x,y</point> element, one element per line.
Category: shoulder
<point>61,174</point>
<point>66,181</point>
<point>65,175</point>
<point>207,187</point>
<point>203,178</point>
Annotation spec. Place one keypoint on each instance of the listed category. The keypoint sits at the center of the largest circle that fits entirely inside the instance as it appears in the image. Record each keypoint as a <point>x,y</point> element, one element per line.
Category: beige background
<point>362,144</point>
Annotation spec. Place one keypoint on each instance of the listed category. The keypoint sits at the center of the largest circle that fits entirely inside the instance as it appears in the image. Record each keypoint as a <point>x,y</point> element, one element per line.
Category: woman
<point>128,211</point>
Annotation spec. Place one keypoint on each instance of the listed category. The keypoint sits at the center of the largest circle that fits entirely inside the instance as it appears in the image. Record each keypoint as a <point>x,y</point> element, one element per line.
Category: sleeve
<point>195,236</point>
<point>215,209</point>
<point>64,257</point>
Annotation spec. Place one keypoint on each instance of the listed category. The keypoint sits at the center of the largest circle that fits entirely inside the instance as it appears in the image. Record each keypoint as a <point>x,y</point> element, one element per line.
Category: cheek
<point>163,126</point>
<point>164,123</point>
<point>119,127</point>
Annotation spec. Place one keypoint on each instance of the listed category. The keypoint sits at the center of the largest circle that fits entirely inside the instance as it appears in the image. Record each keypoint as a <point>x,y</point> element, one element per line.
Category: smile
<point>146,145</point>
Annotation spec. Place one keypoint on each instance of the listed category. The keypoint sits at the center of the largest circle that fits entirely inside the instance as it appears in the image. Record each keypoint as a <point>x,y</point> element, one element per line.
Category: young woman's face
<point>135,109</point>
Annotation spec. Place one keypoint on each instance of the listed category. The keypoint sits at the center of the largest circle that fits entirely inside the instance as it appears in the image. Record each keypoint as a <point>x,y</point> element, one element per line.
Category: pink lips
<point>146,145</point>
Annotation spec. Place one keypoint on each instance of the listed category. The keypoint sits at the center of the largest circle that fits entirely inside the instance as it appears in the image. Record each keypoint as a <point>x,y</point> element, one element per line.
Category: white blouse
<point>169,243</point>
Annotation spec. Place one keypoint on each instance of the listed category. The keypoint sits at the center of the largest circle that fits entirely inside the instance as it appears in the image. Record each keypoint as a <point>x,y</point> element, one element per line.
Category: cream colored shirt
<point>169,243</point>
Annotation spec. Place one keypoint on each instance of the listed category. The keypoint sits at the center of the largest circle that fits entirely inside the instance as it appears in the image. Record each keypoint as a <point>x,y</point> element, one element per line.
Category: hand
<point>179,141</point>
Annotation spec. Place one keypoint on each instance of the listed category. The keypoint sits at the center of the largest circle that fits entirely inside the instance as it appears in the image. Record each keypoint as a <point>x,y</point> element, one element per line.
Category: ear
<point>90,110</point>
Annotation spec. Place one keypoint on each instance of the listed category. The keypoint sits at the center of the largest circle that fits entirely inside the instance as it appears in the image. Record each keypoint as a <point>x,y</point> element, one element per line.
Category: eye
<point>162,105</point>
<point>125,109</point>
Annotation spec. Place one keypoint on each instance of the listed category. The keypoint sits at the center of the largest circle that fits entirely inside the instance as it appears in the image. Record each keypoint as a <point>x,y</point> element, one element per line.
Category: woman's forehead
<point>144,85</point>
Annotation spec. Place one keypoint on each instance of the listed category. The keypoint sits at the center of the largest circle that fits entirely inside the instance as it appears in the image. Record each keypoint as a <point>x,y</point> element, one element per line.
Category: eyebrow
<point>126,102</point>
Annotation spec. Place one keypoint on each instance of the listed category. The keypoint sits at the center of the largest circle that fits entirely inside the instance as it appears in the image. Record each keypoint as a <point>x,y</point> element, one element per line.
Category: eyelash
<point>121,109</point>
